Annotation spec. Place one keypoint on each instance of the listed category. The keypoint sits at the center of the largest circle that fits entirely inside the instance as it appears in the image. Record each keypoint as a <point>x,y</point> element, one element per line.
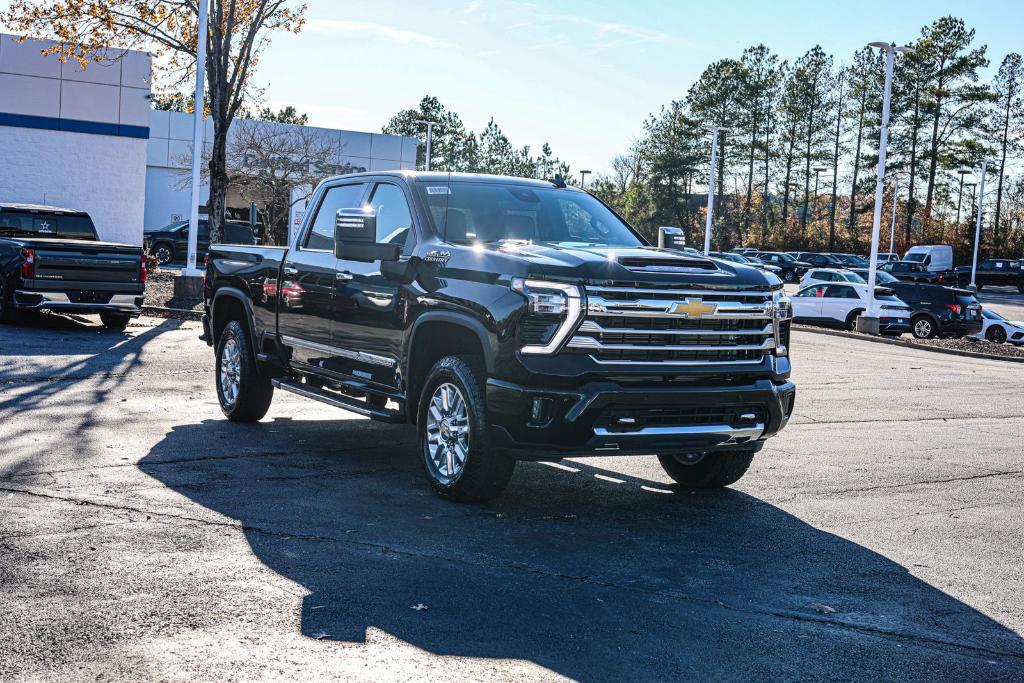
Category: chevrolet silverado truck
<point>51,259</point>
<point>507,319</point>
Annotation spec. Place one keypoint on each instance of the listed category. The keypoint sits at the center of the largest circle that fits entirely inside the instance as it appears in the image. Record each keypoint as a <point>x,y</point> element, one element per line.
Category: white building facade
<point>74,138</point>
<point>89,140</point>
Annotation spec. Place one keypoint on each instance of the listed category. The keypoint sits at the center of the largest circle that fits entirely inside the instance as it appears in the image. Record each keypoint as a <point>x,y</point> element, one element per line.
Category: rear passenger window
<point>321,233</point>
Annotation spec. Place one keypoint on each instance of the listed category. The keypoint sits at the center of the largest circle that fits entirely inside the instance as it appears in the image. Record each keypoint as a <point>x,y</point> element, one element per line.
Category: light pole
<point>977,224</point>
<point>960,201</point>
<point>895,198</point>
<point>430,140</point>
<point>869,321</point>
<point>583,179</point>
<point>714,130</point>
<point>817,171</point>
<point>198,128</point>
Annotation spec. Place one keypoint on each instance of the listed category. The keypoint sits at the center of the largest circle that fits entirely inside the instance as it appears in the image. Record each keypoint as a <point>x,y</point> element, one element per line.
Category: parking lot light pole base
<point>188,286</point>
<point>868,325</point>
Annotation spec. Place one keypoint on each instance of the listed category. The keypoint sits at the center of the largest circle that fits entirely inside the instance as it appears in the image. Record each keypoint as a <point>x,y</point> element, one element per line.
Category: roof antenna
<point>559,182</point>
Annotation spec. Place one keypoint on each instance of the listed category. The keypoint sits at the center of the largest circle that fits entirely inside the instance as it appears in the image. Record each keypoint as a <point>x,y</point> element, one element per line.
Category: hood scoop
<point>667,264</point>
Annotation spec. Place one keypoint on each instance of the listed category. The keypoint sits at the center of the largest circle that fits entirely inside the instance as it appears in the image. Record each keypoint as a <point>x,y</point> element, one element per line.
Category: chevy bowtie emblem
<point>693,308</point>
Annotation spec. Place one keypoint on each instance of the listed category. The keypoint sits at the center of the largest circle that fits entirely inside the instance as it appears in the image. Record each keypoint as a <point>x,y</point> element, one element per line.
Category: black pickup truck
<point>508,319</point>
<point>51,259</point>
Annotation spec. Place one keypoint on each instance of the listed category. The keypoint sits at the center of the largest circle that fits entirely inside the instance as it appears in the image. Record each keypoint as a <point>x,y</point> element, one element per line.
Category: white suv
<point>819,275</point>
<point>838,304</point>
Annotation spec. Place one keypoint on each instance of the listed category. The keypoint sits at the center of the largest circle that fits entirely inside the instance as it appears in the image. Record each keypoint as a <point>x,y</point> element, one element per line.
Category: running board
<point>340,401</point>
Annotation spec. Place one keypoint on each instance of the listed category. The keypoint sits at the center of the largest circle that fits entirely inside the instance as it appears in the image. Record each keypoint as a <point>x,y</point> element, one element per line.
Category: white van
<point>937,258</point>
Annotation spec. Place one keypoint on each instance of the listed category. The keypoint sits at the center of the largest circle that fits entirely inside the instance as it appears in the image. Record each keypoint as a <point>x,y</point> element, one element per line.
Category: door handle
<point>344,276</point>
<point>289,270</point>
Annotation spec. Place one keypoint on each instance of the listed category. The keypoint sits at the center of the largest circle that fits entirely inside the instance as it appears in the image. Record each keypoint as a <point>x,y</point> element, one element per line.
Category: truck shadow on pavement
<point>588,577</point>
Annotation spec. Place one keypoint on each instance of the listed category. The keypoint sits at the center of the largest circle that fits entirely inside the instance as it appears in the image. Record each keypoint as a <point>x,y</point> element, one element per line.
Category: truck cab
<point>507,319</point>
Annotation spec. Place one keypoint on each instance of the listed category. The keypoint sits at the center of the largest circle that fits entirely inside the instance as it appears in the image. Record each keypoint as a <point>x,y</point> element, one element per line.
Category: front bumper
<point>582,421</point>
<point>78,302</point>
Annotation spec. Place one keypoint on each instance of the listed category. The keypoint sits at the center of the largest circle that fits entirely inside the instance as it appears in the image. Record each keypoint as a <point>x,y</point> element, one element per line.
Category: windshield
<point>916,258</point>
<point>489,212</point>
<point>31,224</point>
<point>780,257</point>
<point>882,276</point>
<point>853,277</point>
<point>991,315</point>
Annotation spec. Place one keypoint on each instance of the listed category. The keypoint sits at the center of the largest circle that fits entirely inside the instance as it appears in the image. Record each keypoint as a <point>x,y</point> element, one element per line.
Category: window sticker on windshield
<point>438,189</point>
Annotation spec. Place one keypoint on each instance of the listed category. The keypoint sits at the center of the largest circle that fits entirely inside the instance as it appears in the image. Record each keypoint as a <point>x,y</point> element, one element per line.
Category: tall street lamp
<point>869,321</point>
<point>895,198</point>
<point>960,201</point>
<point>430,140</point>
<point>583,179</point>
<point>198,129</point>
<point>977,224</point>
<point>715,130</point>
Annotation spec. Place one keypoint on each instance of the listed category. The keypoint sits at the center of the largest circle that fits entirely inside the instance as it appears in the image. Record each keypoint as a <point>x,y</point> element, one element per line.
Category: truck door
<point>369,307</point>
<point>306,287</point>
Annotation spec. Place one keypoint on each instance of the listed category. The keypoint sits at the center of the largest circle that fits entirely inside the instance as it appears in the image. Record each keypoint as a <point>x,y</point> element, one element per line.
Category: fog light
<point>540,411</point>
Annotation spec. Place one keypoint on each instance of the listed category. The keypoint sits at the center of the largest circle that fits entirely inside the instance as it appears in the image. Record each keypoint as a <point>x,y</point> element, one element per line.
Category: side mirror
<point>355,237</point>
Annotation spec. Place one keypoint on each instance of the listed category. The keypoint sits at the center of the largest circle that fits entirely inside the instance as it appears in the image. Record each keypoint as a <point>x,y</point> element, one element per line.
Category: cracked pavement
<point>145,537</point>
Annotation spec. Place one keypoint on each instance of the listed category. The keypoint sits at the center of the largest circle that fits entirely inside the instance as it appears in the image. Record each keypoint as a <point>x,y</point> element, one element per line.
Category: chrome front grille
<point>625,325</point>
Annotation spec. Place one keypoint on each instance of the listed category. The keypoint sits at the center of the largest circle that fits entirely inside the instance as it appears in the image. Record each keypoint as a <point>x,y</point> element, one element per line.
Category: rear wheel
<point>244,392</point>
<point>996,334</point>
<point>115,321</point>
<point>454,441</point>
<point>922,327</point>
<point>851,320</point>
<point>163,252</point>
<point>707,470</point>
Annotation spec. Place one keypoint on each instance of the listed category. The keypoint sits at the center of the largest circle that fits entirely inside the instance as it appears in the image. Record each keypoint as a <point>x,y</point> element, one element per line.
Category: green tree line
<point>796,168</point>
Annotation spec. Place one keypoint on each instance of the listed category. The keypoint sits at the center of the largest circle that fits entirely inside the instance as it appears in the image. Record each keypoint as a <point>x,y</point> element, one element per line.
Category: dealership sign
<point>304,165</point>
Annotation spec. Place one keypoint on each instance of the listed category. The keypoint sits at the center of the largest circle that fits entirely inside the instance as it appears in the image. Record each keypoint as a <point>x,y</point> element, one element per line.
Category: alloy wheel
<point>923,328</point>
<point>230,371</point>
<point>162,254</point>
<point>448,432</point>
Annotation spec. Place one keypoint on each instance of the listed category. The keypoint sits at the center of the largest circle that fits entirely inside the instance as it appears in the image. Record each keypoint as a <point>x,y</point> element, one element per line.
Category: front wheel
<point>244,392</point>
<point>115,321</point>
<point>996,334</point>
<point>459,461</point>
<point>707,470</point>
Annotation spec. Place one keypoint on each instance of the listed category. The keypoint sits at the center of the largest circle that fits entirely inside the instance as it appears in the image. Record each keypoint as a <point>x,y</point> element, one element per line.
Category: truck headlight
<point>554,309</point>
<point>781,322</point>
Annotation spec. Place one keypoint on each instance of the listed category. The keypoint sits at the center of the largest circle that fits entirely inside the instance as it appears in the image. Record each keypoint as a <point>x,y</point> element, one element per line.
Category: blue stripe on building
<point>73,126</point>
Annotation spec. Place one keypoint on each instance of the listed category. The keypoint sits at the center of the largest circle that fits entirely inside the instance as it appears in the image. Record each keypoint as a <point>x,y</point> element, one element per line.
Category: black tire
<point>851,319</point>
<point>996,334</point>
<point>163,252</point>
<point>253,392</point>
<point>115,321</point>
<point>483,473</point>
<point>789,276</point>
<point>923,327</point>
<point>9,315</point>
<point>710,471</point>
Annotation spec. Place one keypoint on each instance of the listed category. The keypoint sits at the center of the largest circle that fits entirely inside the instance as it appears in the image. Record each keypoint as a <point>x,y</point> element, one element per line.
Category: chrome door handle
<point>344,275</point>
<point>288,270</point>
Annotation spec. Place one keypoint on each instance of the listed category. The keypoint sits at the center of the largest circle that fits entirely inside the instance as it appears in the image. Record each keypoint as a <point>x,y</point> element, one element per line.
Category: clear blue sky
<point>582,75</point>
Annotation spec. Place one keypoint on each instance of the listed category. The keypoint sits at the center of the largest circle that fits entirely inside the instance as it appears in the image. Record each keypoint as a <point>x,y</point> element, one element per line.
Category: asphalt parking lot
<point>144,536</point>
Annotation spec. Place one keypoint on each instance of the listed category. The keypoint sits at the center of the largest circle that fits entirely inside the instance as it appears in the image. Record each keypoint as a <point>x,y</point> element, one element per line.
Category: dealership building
<point>89,140</point>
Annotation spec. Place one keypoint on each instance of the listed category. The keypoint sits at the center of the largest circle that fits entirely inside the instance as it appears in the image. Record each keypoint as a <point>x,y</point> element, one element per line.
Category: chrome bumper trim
<point>56,301</point>
<point>731,434</point>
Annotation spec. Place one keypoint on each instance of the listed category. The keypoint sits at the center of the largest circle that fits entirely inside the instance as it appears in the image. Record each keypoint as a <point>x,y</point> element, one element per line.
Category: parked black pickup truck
<point>508,319</point>
<point>51,259</point>
<point>993,273</point>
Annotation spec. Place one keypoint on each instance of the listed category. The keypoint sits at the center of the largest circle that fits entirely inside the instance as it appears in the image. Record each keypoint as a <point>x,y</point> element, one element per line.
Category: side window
<point>321,234</point>
<point>840,292</point>
<point>393,217</point>
<point>204,231</point>
<point>810,292</point>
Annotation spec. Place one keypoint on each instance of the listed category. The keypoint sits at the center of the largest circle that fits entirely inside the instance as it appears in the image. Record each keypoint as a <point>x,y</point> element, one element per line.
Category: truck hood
<point>590,264</point>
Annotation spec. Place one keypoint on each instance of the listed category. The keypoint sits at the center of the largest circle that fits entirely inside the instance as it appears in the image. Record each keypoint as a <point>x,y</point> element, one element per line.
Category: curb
<point>906,344</point>
<point>189,314</point>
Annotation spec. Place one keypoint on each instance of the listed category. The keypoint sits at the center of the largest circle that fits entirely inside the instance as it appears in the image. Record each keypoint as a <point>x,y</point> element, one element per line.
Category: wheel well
<point>226,309</point>
<point>433,341</point>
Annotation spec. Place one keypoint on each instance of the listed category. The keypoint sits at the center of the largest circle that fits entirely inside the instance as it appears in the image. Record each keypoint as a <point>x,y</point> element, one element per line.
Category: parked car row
<point>924,310</point>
